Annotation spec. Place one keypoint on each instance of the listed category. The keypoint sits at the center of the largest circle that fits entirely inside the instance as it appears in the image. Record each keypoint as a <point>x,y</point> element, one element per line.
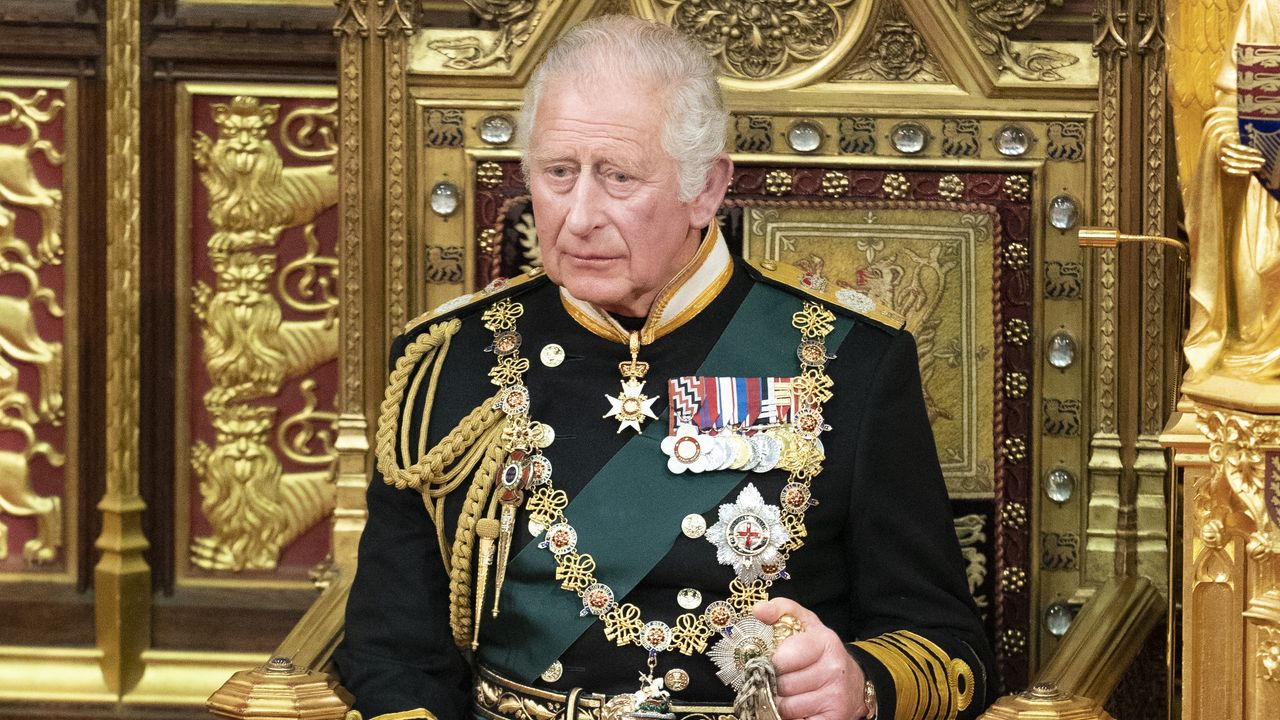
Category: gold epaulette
<point>816,286</point>
<point>496,288</point>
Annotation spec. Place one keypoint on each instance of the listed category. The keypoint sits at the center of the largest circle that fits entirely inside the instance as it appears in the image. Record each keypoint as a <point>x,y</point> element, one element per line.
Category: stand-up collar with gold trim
<point>686,295</point>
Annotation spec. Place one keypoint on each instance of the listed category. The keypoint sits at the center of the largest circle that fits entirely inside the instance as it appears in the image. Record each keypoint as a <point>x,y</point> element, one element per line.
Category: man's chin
<point>610,295</point>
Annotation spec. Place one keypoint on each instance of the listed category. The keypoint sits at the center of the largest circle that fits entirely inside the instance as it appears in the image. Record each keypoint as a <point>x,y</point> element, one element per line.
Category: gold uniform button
<point>552,355</point>
<point>676,679</point>
<point>693,526</point>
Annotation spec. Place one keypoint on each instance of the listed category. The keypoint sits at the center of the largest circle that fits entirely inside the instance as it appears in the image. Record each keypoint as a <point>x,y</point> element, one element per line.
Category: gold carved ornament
<point>759,40</point>
<point>894,51</point>
<point>1239,472</point>
<point>250,351</point>
<point>991,22</point>
<point>516,21</point>
<point>20,339</point>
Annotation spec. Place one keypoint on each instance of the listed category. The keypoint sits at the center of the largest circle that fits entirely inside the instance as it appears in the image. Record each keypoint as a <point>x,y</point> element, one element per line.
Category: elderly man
<point>592,480</point>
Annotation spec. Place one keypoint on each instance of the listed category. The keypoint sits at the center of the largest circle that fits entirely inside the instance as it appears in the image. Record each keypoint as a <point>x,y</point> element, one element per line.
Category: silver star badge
<point>748,535</point>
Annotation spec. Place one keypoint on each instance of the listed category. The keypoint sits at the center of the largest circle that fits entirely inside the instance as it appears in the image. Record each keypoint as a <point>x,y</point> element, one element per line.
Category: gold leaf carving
<point>21,345</point>
<point>311,132</point>
<point>758,40</point>
<point>297,433</point>
<point>1238,469</point>
<point>250,351</point>
<point>516,20</point>
<point>991,22</point>
<point>1269,654</point>
<point>18,182</point>
<point>895,51</point>
<point>251,193</point>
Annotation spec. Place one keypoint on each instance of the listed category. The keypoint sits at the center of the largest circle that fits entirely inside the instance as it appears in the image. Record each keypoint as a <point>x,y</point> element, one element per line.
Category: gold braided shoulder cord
<point>475,442</point>
<point>501,439</point>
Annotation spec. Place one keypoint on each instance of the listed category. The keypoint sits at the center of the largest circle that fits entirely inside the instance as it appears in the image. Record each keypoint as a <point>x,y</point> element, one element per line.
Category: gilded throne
<point>935,157</point>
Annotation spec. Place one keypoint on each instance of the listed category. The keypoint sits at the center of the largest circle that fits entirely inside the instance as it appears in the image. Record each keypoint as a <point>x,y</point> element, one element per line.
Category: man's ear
<point>703,207</point>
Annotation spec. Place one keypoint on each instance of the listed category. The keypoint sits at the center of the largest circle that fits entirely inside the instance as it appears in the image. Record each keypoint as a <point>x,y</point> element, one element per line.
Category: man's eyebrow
<point>545,157</point>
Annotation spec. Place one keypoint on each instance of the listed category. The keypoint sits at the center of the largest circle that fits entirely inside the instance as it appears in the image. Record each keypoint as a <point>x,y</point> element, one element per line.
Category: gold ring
<point>786,626</point>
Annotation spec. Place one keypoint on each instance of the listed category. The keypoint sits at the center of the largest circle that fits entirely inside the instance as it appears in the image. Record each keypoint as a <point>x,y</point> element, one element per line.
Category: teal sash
<point>634,497</point>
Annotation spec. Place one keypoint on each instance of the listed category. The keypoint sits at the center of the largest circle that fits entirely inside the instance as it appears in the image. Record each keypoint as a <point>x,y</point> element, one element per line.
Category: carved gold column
<point>373,240</point>
<point>352,443</point>
<point>1150,515</point>
<point>1105,464</point>
<point>122,580</point>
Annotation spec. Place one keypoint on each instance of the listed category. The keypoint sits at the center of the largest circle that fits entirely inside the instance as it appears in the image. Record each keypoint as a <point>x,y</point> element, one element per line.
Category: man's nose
<point>585,211</point>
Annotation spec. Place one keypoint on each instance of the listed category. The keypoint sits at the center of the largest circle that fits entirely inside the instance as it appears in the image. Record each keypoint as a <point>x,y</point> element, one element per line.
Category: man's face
<point>611,226</point>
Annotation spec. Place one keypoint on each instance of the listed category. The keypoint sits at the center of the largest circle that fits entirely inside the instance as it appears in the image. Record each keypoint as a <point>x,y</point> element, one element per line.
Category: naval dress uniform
<point>875,555</point>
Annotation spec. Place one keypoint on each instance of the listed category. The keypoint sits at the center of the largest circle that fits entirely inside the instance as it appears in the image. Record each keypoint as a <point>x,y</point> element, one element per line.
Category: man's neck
<point>691,289</point>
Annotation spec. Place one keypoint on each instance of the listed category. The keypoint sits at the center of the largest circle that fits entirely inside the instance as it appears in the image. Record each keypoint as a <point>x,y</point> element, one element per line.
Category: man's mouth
<point>591,259</point>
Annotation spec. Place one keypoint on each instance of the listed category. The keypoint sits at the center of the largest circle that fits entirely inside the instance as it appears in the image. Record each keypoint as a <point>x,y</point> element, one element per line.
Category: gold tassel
<point>504,550</point>
<point>487,529</point>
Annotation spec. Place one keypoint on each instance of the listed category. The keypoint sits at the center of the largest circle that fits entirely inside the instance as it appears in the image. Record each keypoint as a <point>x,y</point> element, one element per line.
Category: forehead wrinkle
<point>554,145</point>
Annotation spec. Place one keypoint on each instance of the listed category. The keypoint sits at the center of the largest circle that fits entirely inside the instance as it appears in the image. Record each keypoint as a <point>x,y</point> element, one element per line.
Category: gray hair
<point>693,130</point>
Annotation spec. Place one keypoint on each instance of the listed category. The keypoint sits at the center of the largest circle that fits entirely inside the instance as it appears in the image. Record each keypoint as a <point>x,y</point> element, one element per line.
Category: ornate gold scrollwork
<point>757,40</point>
<point>896,51</point>
<point>516,20</point>
<point>992,20</point>
<point>250,350</point>
<point>20,339</point>
<point>1238,477</point>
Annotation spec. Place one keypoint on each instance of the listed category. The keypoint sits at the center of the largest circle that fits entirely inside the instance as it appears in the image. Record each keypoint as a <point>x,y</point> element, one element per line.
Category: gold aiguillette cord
<point>487,529</point>
<point>504,551</point>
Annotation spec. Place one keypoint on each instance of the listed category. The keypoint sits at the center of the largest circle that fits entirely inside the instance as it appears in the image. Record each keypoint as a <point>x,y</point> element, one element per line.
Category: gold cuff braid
<point>927,682</point>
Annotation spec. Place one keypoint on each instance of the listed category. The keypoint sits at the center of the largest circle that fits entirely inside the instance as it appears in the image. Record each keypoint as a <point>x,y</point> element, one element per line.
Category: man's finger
<point>798,652</point>
<point>770,610</point>
<point>802,681</point>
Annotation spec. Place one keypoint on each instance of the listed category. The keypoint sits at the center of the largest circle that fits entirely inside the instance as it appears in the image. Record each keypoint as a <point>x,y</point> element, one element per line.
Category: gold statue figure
<point>1232,220</point>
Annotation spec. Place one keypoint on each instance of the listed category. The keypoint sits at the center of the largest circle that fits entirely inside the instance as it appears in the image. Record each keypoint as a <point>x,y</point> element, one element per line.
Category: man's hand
<point>817,678</point>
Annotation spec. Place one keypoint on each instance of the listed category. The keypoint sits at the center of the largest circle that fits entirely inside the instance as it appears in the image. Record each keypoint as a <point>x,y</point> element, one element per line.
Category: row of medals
<point>782,446</point>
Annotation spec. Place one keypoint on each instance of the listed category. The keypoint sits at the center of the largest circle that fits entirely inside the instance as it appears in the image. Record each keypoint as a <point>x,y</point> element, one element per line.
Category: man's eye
<point>620,177</point>
<point>559,172</point>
